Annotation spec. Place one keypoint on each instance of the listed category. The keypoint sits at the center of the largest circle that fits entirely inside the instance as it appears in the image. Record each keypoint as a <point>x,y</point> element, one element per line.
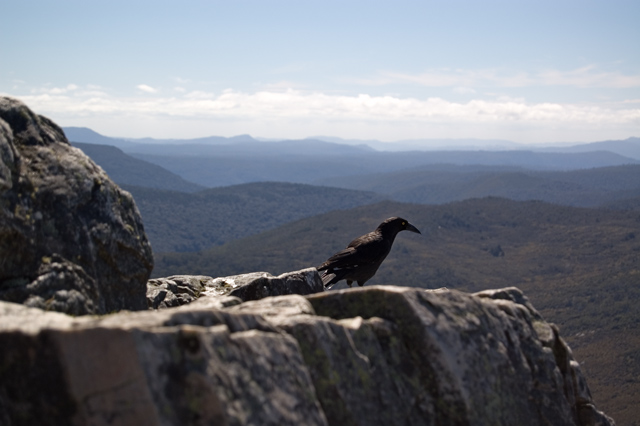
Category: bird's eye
<point>404,223</point>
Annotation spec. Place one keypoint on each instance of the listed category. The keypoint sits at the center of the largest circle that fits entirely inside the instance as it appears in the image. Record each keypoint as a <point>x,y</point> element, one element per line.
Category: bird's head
<point>393,225</point>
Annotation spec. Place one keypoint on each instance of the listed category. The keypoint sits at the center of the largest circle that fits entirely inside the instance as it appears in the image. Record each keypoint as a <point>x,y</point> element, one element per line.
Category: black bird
<point>364,255</point>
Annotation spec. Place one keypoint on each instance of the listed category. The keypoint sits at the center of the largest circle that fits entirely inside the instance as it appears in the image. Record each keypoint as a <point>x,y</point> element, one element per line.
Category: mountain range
<point>629,147</point>
<point>127,170</point>
<point>214,209</point>
<point>217,161</point>
<point>437,184</point>
<point>182,216</point>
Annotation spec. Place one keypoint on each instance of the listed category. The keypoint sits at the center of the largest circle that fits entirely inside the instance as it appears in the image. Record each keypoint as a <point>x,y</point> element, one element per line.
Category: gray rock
<point>260,285</point>
<point>70,239</point>
<point>175,290</point>
<point>420,356</point>
<point>179,290</point>
<point>172,366</point>
<point>368,356</point>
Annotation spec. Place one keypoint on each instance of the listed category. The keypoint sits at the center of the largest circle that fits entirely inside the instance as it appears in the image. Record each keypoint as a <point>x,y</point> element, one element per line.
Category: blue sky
<point>528,71</point>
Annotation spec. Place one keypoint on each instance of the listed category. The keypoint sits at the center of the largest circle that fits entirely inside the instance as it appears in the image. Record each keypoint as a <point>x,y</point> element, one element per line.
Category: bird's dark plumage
<point>364,255</point>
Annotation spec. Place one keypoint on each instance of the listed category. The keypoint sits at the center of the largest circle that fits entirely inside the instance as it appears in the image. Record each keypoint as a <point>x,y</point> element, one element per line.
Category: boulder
<point>179,290</point>
<point>175,290</point>
<point>375,355</point>
<point>172,366</point>
<point>70,239</point>
<point>419,356</point>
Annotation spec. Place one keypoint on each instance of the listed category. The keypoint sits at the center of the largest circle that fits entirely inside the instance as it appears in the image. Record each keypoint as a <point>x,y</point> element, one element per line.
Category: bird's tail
<point>330,277</point>
<point>328,280</point>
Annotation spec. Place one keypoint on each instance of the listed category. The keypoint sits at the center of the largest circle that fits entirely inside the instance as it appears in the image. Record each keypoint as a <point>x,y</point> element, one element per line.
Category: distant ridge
<point>628,147</point>
<point>126,170</point>
<point>86,135</point>
<point>311,165</point>
<point>434,144</point>
<point>209,140</point>
<point>218,161</point>
<point>437,184</point>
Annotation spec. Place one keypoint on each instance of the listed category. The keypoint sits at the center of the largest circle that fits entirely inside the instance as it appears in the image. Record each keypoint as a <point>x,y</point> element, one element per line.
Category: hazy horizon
<point>533,73</point>
<point>428,144</point>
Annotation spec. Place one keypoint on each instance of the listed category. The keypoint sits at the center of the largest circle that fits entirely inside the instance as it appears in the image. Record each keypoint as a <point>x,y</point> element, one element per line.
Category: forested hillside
<point>177,221</point>
<point>436,184</point>
<point>580,267</point>
<point>222,165</point>
<point>473,245</point>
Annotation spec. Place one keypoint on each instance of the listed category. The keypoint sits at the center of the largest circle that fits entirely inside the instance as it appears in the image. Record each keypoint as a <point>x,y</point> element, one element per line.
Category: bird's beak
<point>412,228</point>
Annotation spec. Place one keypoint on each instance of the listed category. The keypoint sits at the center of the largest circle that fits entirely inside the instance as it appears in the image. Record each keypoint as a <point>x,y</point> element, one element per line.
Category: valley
<point>580,267</point>
<point>563,227</point>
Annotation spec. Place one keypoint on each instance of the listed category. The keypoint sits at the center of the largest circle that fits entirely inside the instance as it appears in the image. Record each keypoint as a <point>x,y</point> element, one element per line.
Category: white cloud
<point>294,113</point>
<point>147,89</point>
<point>56,90</point>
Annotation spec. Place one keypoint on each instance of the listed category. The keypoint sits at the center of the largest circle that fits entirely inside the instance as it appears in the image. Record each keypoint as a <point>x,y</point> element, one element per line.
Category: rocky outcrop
<point>376,355</point>
<point>179,290</point>
<point>70,239</point>
<point>250,349</point>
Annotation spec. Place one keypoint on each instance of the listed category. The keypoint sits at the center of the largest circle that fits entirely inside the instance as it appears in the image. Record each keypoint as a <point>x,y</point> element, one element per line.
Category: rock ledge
<point>376,355</point>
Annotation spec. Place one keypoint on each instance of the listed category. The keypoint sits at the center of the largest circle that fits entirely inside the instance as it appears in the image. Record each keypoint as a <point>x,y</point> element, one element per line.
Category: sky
<point>526,71</point>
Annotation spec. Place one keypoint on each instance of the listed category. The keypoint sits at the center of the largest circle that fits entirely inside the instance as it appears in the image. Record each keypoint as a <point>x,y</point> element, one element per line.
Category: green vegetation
<point>568,260</point>
<point>580,267</point>
<point>181,222</point>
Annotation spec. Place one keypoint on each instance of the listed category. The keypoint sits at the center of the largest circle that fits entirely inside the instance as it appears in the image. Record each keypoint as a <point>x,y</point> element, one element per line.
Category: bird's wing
<point>340,259</point>
<point>365,250</point>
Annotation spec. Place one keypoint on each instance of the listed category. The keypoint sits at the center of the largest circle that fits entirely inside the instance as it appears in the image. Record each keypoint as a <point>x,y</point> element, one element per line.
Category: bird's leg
<point>349,283</point>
